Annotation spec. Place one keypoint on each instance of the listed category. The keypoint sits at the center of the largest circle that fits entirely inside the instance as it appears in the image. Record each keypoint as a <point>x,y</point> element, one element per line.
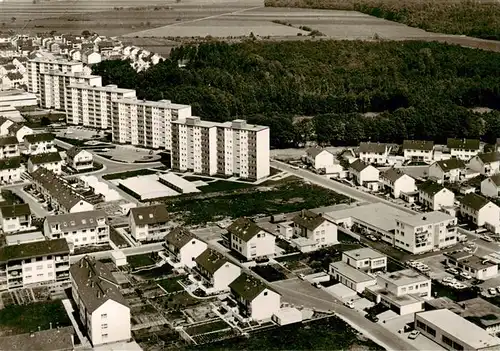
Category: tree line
<point>331,92</point>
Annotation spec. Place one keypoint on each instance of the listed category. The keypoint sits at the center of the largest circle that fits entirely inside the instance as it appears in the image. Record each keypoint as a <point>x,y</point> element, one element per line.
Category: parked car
<point>492,291</point>
<point>452,271</point>
<point>465,275</point>
<point>413,335</point>
<point>301,276</point>
<point>498,289</point>
<point>372,317</point>
<point>317,285</point>
<point>349,304</point>
<point>486,238</point>
<point>372,237</point>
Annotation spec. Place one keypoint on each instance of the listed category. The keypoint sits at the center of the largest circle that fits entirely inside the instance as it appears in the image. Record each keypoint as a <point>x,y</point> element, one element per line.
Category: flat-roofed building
<point>351,277</point>
<point>477,267</point>
<point>149,223</point>
<point>37,66</point>
<point>365,259</point>
<point>177,183</point>
<point>454,332</point>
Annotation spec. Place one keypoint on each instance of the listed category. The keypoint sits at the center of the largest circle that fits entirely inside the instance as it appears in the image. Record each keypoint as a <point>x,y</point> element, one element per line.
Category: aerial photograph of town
<point>249,175</point>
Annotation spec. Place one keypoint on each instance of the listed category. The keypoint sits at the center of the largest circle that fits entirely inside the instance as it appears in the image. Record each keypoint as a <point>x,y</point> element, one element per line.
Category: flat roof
<point>303,241</point>
<point>350,272</point>
<point>159,103</point>
<point>460,328</point>
<point>147,187</point>
<point>16,92</point>
<point>107,88</point>
<point>378,214</point>
<point>404,277</point>
<point>363,254</point>
<point>401,300</point>
<point>426,218</point>
<point>14,239</point>
<point>175,180</point>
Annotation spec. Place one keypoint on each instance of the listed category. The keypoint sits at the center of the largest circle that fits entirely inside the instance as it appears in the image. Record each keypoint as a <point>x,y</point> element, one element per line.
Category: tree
<point>86,33</point>
<point>45,121</point>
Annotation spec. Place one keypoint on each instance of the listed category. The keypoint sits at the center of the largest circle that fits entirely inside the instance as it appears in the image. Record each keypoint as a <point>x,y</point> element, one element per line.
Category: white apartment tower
<point>37,66</point>
<point>230,148</point>
<point>92,106</point>
<point>146,123</point>
<point>54,85</point>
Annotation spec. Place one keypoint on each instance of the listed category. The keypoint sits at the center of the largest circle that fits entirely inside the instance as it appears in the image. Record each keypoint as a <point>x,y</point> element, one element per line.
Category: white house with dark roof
<point>376,153</point>
<point>250,240</point>
<point>451,170</point>
<point>9,147</point>
<point>463,149</point>
<point>435,196</point>
<point>362,172</point>
<point>319,158</point>
<point>51,161</point>
<point>15,218</point>
<point>255,300</point>
<point>183,247</point>
<point>397,182</point>
<point>418,150</point>
<point>79,229</point>
<point>4,126</point>
<point>316,228</point>
<point>103,310</point>
<point>10,170</point>
<point>20,131</point>
<point>487,164</point>
<point>39,143</point>
<point>79,159</point>
<point>490,186</point>
<point>480,211</point>
<point>149,223</point>
<point>213,272</point>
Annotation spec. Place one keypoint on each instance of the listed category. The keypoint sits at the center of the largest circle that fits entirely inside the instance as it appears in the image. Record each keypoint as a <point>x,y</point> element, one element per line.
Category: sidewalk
<point>69,310</point>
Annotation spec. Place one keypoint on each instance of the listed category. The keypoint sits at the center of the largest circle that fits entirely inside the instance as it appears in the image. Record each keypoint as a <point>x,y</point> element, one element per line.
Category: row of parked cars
<point>419,266</point>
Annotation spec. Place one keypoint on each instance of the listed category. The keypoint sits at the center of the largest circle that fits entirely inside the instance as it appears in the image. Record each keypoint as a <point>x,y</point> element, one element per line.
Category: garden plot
<point>215,330</point>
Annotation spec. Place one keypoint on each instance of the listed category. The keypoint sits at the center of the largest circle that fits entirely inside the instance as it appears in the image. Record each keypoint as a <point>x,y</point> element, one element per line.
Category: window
<point>104,336</point>
<point>431,331</point>
<point>104,315</point>
<point>265,293</point>
<point>39,267</point>
<point>104,326</point>
<point>447,340</point>
<point>27,269</point>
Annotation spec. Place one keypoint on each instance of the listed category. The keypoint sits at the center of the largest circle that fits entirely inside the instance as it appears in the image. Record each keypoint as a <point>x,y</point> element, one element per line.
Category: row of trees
<point>351,91</point>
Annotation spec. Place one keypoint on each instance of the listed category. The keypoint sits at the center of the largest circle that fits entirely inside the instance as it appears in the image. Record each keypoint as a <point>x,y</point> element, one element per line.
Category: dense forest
<point>480,19</point>
<point>332,92</point>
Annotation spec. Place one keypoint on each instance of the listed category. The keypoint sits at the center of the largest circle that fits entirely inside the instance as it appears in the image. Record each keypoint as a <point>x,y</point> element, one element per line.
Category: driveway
<point>35,206</point>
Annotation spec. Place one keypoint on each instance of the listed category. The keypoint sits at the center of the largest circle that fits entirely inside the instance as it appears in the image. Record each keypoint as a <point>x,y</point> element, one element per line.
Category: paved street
<point>336,186</point>
<point>35,206</point>
<point>481,244</point>
<point>302,293</point>
<point>129,251</point>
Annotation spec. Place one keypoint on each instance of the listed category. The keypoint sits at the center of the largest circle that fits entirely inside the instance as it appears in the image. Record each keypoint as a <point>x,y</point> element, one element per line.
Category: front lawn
<point>117,238</point>
<point>207,327</point>
<point>269,273</point>
<point>139,261</point>
<point>29,318</point>
<point>157,272</point>
<point>171,285</point>
<point>223,185</point>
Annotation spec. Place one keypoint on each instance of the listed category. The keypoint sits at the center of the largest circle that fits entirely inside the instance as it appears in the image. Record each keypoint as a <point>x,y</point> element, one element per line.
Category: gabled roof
<point>474,201</point>
<point>179,237</point>
<point>424,145</point>
<point>45,158</point>
<point>56,339</point>
<point>430,188</point>
<point>358,165</point>
<point>369,147</point>
<point>452,163</point>
<point>244,228</point>
<point>489,157</point>
<point>248,287</point>
<point>211,260</point>
<point>315,151</point>
<point>14,75</point>
<point>37,138</point>
<point>393,174</point>
<point>467,144</point>
<point>495,179</point>
<point>309,219</point>
<point>10,163</point>
<point>76,221</point>
<point>16,210</point>
<point>34,249</point>
<point>8,140</point>
<point>95,283</point>
<point>150,214</point>
<point>72,152</point>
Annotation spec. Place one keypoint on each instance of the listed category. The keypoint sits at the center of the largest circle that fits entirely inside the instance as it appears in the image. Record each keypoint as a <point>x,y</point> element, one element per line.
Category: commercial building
<point>477,267</point>
<point>146,123</point>
<point>183,247</point>
<point>17,98</point>
<point>435,196</point>
<point>33,264</point>
<point>10,170</point>
<point>231,148</point>
<point>351,277</point>
<point>15,218</point>
<point>454,332</point>
<point>418,150</point>
<point>480,211</point>
<point>103,310</point>
<point>463,149</point>
<point>79,229</point>
<point>452,170</point>
<point>39,143</point>
<point>36,66</point>
<point>149,223</point>
<point>365,259</point>
<point>491,186</point>
<point>374,153</point>
<point>213,272</point>
<point>92,106</point>
<point>425,232</point>
<point>397,182</point>
<point>319,230</point>
<point>51,161</point>
<point>486,164</point>
<point>79,159</point>
<point>363,173</point>
<point>9,147</point>
<point>249,240</point>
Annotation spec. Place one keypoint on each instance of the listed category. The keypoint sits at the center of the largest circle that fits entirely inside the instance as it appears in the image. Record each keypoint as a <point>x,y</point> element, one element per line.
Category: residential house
<point>375,153</point>
<point>102,309</point>
<point>480,211</point>
<point>316,228</point>
<point>32,264</point>
<point>365,259</point>
<point>363,173</point>
<point>39,143</point>
<point>214,272</point>
<point>20,131</point>
<point>397,182</point>
<point>435,196</point>
<point>256,301</point>
<point>418,150</point>
<point>487,164</point>
<point>79,159</point>
<point>451,170</point>
<point>491,186</point>
<point>463,149</point>
<point>10,170</point>
<point>319,158</point>
<point>149,223</point>
<point>249,240</point>
<point>9,147</point>
<point>478,267</point>
<point>51,161</point>
<point>13,80</point>
<point>79,229</point>
<point>15,218</point>
<point>5,123</point>
<point>90,57</point>
<point>183,247</point>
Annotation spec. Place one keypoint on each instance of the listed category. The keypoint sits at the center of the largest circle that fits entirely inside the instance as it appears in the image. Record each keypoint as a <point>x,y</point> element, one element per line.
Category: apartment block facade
<point>35,67</point>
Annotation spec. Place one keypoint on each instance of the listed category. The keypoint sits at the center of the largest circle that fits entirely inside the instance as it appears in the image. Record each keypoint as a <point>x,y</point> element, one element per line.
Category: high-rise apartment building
<point>146,123</point>
<point>39,65</point>
<point>54,86</point>
<point>91,106</point>
<point>230,148</point>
